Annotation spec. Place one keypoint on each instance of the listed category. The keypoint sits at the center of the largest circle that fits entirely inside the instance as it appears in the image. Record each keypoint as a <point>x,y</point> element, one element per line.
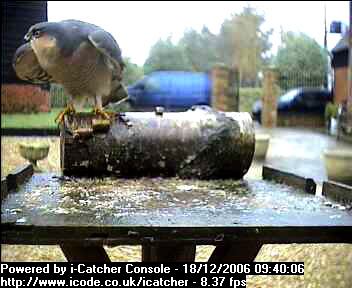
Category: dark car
<point>174,90</point>
<point>299,101</point>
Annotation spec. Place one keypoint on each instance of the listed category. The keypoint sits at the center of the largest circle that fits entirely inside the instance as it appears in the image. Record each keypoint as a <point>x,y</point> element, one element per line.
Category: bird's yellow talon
<point>99,111</point>
<point>69,110</point>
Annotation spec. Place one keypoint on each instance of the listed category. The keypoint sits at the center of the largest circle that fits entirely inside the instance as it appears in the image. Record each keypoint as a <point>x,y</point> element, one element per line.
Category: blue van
<point>174,90</point>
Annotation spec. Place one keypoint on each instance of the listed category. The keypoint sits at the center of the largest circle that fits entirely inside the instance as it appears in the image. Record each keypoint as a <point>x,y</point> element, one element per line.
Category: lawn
<point>34,120</point>
<point>47,120</point>
<point>42,120</point>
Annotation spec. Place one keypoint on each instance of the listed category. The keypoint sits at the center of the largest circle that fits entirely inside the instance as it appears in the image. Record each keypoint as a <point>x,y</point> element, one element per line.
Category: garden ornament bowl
<point>34,152</point>
<point>261,145</point>
<point>338,164</point>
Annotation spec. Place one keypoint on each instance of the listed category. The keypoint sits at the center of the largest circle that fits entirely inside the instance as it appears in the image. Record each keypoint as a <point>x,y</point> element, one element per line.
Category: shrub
<point>24,99</point>
<point>247,98</point>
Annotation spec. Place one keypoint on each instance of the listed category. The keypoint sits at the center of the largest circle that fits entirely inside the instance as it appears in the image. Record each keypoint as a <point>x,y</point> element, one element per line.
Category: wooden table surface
<point>169,217</point>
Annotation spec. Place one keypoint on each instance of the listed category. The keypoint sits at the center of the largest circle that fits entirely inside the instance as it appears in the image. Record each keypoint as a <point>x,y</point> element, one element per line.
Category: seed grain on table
<point>326,265</point>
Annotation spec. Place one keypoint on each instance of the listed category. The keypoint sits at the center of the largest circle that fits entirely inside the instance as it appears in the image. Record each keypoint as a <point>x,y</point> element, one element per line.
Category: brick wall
<point>24,98</point>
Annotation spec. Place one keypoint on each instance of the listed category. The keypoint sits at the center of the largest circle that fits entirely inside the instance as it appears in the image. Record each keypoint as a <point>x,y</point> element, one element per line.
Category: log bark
<point>199,143</point>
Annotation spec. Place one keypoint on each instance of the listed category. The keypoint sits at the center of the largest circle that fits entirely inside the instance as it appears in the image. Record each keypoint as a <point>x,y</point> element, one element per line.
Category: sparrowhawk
<point>82,57</point>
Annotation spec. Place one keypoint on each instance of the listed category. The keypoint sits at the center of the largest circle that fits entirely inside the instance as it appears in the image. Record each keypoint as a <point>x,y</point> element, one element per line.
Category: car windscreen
<point>289,96</point>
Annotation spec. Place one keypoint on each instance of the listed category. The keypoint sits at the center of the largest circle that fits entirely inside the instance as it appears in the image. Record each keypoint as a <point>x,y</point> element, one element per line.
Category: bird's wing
<point>27,67</point>
<point>118,95</point>
<point>107,45</point>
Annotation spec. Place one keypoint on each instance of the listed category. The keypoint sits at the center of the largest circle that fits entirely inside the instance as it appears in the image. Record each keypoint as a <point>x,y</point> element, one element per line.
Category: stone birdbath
<point>34,152</point>
<point>338,164</point>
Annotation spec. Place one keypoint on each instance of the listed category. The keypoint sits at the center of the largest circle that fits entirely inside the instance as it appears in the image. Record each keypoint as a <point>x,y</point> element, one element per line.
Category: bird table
<point>169,217</point>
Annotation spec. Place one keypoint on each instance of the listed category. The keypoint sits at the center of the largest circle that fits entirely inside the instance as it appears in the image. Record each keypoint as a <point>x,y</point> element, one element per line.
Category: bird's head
<point>54,38</point>
<point>45,35</point>
<point>43,38</point>
<point>40,30</point>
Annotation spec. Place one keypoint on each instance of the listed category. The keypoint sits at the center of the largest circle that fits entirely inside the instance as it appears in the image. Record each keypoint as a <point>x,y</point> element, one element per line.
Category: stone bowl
<point>261,145</point>
<point>338,165</point>
<point>34,152</point>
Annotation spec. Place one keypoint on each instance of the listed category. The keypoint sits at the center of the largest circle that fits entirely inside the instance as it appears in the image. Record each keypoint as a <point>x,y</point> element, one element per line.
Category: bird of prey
<point>82,57</point>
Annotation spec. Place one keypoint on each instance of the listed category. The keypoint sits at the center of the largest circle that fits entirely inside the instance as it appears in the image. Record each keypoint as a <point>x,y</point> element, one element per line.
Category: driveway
<point>299,151</point>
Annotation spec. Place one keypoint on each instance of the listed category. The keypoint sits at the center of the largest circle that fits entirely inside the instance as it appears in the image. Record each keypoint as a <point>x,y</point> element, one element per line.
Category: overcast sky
<point>138,25</point>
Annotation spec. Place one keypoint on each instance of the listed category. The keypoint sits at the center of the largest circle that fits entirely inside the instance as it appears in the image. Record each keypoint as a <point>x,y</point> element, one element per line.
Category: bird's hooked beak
<point>17,57</point>
<point>28,36</point>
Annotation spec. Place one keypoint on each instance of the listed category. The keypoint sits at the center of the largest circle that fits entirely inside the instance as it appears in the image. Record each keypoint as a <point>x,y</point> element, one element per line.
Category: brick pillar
<point>234,89</point>
<point>349,95</point>
<point>225,90</point>
<point>269,98</point>
<point>219,75</point>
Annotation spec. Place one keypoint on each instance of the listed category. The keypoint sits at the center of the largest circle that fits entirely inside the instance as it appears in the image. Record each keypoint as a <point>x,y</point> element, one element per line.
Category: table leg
<point>84,254</point>
<point>168,253</point>
<point>236,252</point>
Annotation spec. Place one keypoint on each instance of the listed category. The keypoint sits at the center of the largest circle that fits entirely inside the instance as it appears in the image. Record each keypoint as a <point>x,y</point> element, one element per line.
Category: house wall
<point>341,85</point>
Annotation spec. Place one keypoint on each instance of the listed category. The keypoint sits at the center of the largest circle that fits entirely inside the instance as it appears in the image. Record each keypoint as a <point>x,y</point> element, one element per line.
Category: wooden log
<point>199,143</point>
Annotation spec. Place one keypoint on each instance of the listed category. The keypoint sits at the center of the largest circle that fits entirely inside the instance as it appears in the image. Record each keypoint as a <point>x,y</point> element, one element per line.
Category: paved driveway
<point>299,151</point>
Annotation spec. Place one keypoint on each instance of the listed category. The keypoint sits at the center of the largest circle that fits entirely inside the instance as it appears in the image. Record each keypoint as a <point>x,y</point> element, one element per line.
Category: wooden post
<point>84,254</point>
<point>236,252</point>
<point>269,98</point>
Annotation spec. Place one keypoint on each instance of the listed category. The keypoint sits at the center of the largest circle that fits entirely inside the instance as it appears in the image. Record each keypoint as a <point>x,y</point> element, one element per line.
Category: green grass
<point>47,120</point>
<point>35,120</point>
<point>41,120</point>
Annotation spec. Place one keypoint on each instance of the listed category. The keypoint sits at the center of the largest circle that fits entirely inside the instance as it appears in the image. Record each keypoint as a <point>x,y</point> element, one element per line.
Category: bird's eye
<point>36,34</point>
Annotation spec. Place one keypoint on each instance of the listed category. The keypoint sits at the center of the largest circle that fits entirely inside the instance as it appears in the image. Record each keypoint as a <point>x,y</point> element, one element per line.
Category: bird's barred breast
<point>85,72</point>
